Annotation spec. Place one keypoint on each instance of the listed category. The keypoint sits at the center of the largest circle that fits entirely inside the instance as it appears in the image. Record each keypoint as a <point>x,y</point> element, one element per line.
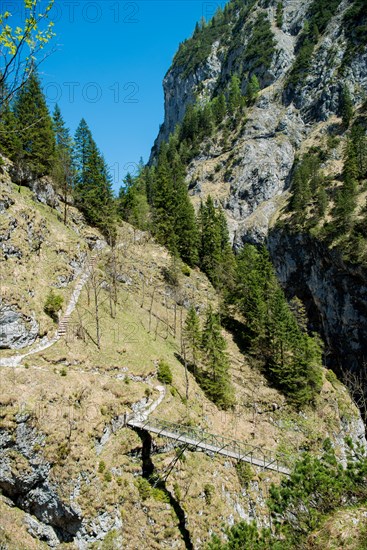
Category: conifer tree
<point>34,124</point>
<point>346,106</point>
<point>219,108</point>
<point>216,382</point>
<point>253,89</point>
<point>63,170</point>
<point>93,188</point>
<point>235,98</point>
<point>9,141</point>
<point>163,202</point>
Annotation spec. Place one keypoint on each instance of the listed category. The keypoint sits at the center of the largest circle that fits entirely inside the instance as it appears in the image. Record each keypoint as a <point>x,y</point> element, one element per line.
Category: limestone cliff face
<point>250,174</point>
<point>263,152</point>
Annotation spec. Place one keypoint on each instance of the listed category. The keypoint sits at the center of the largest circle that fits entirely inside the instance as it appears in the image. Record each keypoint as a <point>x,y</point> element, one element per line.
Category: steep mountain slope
<point>70,471</point>
<point>305,55</point>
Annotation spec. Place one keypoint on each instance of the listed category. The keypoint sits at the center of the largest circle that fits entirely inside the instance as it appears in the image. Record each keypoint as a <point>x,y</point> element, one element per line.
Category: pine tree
<point>9,140</point>
<point>184,215</point>
<point>359,140</point>
<point>35,132</point>
<point>219,108</point>
<point>63,170</point>
<point>164,203</point>
<point>93,188</point>
<point>211,241</point>
<point>346,106</point>
<point>253,88</point>
<point>235,99</point>
<point>216,381</point>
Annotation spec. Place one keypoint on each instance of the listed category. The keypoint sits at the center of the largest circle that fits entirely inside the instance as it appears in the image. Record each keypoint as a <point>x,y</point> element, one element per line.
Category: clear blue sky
<point>109,65</point>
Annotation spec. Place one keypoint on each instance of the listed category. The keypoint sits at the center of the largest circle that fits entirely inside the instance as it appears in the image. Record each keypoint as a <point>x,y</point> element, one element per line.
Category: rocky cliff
<point>302,76</point>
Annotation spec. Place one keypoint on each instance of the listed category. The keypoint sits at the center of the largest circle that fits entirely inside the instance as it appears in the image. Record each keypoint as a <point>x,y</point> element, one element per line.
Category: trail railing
<point>212,444</point>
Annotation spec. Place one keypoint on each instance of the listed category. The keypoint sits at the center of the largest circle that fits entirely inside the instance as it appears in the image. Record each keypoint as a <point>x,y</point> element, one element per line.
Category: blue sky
<point>109,65</point>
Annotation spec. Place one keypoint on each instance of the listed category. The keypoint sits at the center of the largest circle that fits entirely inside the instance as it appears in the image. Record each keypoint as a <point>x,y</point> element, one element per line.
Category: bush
<point>185,270</point>
<point>208,492</point>
<point>245,473</point>
<point>53,305</point>
<point>164,374</point>
<point>101,466</point>
<point>143,488</point>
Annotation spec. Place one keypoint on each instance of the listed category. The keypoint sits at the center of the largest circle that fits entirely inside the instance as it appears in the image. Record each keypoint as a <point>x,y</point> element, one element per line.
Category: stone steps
<point>64,321</point>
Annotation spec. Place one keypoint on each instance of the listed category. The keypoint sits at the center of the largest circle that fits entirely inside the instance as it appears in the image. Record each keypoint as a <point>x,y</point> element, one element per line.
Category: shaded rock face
<point>334,293</point>
<point>16,329</point>
<point>24,478</point>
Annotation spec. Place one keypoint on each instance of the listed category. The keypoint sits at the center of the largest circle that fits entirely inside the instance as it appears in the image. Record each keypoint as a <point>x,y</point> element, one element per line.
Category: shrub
<point>244,472</point>
<point>185,270</point>
<point>101,466</point>
<point>53,305</point>
<point>164,374</point>
<point>208,492</point>
<point>143,488</point>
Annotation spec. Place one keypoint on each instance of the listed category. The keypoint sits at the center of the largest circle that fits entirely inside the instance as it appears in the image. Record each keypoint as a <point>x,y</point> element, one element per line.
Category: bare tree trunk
<point>150,310</point>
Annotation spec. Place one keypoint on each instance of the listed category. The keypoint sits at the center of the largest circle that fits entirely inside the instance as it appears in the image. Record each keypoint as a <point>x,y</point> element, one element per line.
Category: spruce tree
<point>93,188</point>
<point>346,106</point>
<point>63,170</point>
<point>9,140</point>
<point>34,124</point>
<point>216,381</point>
<point>253,88</point>
<point>235,98</point>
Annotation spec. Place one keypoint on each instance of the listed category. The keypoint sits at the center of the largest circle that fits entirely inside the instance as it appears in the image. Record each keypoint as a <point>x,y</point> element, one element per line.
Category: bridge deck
<point>228,448</point>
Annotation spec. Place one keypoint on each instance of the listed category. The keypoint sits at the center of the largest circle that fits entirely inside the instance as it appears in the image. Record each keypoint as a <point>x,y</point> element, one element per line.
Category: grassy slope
<point>72,391</point>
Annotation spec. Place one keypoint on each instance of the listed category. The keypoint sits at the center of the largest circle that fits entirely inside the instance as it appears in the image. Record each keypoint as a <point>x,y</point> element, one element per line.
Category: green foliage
<point>159,495</point>
<point>20,45</point>
<point>346,106</point>
<point>93,188</point>
<point>252,90</point>
<point>173,216</point>
<point>101,466</point>
<point>261,46</point>
<point>209,491</point>
<point>164,373</point>
<point>196,50</point>
<point>143,487</point>
<point>34,129</point>
<point>63,169</point>
<point>292,358</point>
<point>317,19</point>
<point>244,472</point>
<point>214,378</point>
<point>279,14</point>
<point>316,487</point>
<point>308,189</point>
<point>235,98</point>
<point>355,28</point>
<point>53,305</point>
<point>246,536</point>
<point>108,477</point>
<point>215,253</point>
<point>132,203</point>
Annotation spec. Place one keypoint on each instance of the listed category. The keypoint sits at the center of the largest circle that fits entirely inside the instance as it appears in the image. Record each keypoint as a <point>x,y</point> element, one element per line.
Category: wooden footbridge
<point>197,439</point>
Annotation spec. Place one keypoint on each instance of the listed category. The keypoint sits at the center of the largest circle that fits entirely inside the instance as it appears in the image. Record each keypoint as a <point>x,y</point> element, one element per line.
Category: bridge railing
<point>219,443</point>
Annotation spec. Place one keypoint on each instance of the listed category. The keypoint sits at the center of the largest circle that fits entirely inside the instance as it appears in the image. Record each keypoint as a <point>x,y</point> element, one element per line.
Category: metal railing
<point>213,443</point>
